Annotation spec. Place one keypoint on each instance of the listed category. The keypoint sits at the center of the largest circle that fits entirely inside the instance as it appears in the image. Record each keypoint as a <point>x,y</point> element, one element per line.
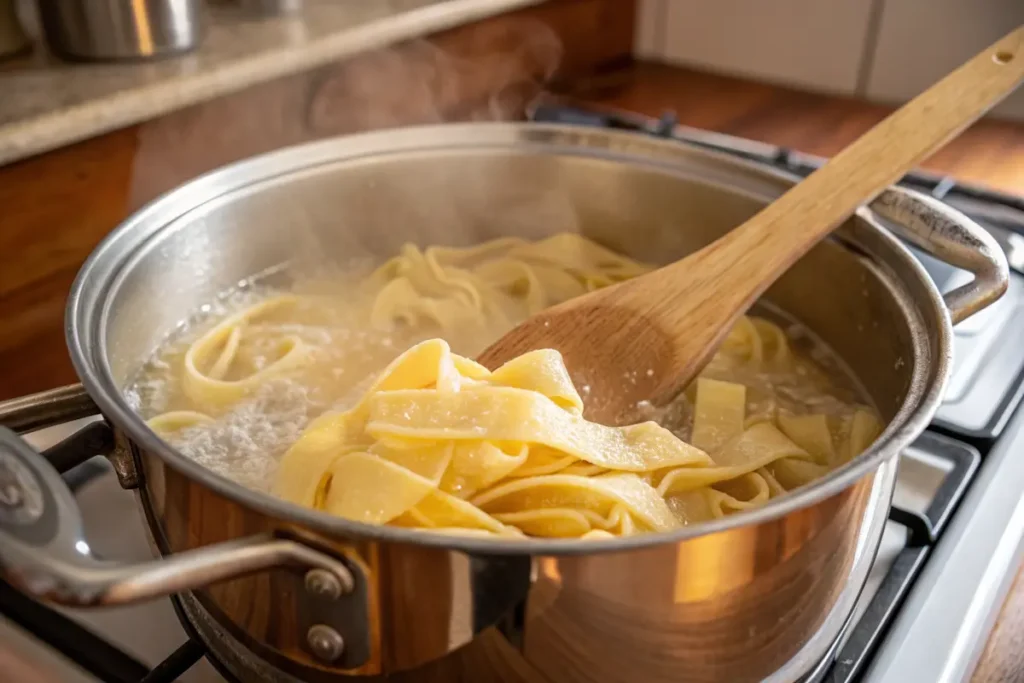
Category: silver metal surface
<point>230,652</point>
<point>815,654</point>
<point>198,568</point>
<point>954,238</point>
<point>326,643</point>
<point>46,408</point>
<point>123,459</point>
<point>119,29</point>
<point>246,667</point>
<point>1014,248</point>
<point>942,627</point>
<point>668,608</point>
<point>324,584</point>
<point>272,8</point>
<point>43,548</point>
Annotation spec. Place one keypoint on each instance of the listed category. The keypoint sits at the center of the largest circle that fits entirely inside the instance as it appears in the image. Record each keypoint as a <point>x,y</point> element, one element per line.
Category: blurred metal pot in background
<point>12,37</point>
<point>120,30</point>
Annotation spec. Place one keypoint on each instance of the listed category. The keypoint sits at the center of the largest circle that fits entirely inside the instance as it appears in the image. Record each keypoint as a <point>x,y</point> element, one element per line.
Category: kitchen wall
<point>882,50</point>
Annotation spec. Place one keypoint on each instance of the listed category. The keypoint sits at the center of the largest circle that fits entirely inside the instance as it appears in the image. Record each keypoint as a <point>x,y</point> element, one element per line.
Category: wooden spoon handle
<point>762,249</point>
<point>648,337</point>
<point>696,300</point>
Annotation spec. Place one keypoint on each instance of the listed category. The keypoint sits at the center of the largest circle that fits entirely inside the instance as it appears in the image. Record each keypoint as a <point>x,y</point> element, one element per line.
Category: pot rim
<point>87,344</point>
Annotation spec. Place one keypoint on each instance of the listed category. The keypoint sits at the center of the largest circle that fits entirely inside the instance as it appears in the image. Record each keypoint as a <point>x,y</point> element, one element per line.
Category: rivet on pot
<point>325,643</point>
<point>322,584</point>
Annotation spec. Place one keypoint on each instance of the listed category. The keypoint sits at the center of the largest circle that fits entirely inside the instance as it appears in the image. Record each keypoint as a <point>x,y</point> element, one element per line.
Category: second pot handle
<point>43,550</point>
<point>949,236</point>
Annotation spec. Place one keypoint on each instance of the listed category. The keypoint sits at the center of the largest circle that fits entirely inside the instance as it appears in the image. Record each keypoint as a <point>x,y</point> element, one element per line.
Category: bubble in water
<point>246,443</point>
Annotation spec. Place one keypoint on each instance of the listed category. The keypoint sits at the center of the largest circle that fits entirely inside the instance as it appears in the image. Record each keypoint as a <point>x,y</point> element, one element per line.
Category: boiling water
<point>245,441</point>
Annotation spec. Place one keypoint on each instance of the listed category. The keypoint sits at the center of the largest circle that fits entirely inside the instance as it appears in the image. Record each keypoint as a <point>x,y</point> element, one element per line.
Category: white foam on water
<point>247,443</point>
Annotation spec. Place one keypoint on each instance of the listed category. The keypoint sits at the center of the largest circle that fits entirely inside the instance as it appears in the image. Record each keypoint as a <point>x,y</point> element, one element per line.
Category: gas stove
<point>949,550</point>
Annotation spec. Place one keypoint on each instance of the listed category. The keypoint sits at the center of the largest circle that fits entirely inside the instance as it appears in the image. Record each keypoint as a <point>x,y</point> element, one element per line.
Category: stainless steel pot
<point>733,600</point>
<point>110,30</point>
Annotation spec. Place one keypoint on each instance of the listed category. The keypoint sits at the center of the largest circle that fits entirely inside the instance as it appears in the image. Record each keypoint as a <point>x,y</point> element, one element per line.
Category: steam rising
<point>489,73</point>
<point>486,74</point>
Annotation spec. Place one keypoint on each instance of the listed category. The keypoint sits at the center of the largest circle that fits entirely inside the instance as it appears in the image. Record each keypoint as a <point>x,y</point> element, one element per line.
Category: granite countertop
<point>45,103</point>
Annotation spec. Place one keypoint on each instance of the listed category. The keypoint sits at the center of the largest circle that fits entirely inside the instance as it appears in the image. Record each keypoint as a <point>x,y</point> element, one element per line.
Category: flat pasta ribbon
<point>212,378</point>
<point>440,443</point>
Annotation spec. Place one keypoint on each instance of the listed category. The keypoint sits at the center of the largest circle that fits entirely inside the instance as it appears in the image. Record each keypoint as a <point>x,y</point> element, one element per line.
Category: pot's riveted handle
<point>47,408</point>
<point>43,549</point>
<point>44,552</point>
<point>949,236</point>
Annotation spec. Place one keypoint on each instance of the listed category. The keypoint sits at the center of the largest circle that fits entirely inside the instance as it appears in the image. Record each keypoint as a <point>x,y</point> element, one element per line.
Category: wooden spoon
<point>647,338</point>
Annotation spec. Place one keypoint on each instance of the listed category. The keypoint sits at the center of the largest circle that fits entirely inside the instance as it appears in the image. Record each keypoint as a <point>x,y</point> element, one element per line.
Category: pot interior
<point>362,198</point>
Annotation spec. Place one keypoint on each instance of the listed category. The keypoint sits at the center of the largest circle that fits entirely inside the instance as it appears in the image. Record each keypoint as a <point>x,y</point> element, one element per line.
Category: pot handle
<point>949,236</point>
<point>43,550</point>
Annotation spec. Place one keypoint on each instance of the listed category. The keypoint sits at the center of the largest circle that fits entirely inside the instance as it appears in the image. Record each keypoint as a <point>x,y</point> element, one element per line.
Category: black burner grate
<point>75,642</point>
<point>923,530</point>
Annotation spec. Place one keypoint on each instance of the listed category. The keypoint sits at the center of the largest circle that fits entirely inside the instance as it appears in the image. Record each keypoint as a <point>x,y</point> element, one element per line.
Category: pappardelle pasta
<point>287,395</point>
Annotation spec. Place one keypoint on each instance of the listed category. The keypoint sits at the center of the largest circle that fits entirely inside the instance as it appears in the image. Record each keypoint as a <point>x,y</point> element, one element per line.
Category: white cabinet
<point>812,44</point>
<point>882,50</point>
<point>919,41</point>
<point>650,25</point>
